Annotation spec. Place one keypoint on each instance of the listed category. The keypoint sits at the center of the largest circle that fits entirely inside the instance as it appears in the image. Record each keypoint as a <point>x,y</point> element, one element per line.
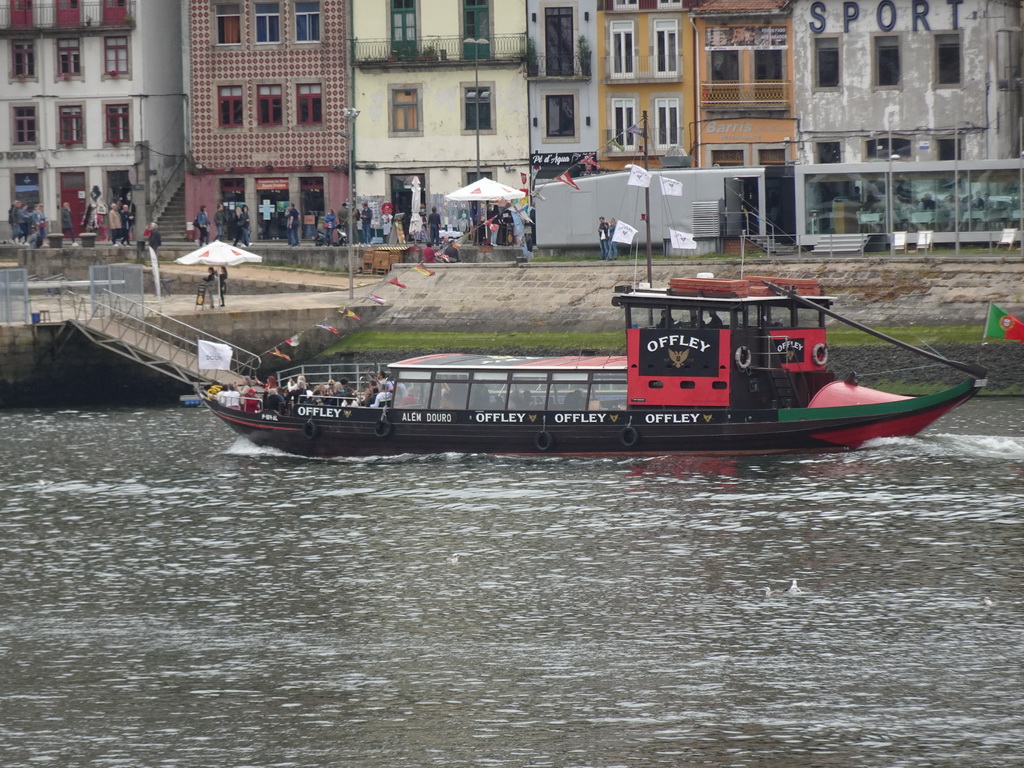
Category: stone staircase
<point>773,246</point>
<point>173,217</point>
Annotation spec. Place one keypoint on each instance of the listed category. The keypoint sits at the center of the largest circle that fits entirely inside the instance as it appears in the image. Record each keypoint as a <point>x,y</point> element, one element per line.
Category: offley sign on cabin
<point>886,15</point>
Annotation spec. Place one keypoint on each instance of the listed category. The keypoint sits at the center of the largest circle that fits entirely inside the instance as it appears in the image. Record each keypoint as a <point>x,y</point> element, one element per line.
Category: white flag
<point>682,240</point>
<point>623,233</point>
<point>214,356</point>
<point>671,187</point>
<point>639,177</point>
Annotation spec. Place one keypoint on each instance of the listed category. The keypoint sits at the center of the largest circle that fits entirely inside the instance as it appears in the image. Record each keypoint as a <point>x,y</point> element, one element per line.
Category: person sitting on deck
<point>274,401</point>
<point>229,397</point>
<point>385,390</point>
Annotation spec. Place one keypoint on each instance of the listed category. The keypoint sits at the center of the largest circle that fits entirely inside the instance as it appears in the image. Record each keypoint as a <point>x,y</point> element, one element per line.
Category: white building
<point>907,78</point>
<point>93,104</point>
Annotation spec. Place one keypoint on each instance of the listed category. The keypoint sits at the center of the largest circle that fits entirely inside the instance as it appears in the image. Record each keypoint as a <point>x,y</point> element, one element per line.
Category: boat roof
<point>490,362</point>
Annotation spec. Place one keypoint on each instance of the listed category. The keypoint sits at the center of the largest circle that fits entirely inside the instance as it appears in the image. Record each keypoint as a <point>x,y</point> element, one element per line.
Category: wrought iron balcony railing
<point>497,48</point>
<point>637,69</point>
<point>562,66</point>
<point>766,93</point>
<point>23,15</point>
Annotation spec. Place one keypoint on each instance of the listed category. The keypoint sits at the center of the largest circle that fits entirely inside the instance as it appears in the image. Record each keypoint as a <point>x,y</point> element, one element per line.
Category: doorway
<point>72,192</point>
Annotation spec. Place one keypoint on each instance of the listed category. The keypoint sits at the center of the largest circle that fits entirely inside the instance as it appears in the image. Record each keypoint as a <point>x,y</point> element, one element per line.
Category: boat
<point>712,366</point>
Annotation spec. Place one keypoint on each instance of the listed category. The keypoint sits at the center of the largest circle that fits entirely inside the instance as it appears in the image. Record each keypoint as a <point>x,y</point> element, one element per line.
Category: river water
<point>174,597</point>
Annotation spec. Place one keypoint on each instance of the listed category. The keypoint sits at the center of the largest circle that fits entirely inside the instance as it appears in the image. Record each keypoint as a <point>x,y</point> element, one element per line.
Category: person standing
<point>14,219</point>
<point>211,285</point>
<point>434,226</point>
<point>222,285</point>
<point>39,226</point>
<point>292,217</point>
<point>220,220</point>
<point>127,224</point>
<point>114,224</point>
<point>154,240</point>
<point>366,217</point>
<point>613,247</point>
<point>202,223</point>
<point>602,236</point>
<point>65,222</point>
<point>330,224</point>
<point>244,226</point>
<point>343,219</point>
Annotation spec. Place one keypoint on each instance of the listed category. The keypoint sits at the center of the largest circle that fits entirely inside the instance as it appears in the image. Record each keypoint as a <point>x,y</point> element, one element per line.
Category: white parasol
<point>486,189</point>
<point>218,253</point>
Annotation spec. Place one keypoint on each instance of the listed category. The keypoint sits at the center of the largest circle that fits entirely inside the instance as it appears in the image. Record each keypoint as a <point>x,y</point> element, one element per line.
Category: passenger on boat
<point>712,320</point>
<point>229,397</point>
<point>369,392</point>
<point>385,390</point>
<point>275,402</point>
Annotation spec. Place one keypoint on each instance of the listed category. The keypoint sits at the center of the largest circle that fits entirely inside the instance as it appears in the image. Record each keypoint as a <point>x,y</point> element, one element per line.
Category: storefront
<point>272,202</point>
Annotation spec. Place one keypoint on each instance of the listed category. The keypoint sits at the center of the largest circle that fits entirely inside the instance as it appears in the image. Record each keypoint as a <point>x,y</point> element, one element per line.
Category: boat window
<point>568,395</point>
<point>410,394</point>
<point>528,391</point>
<point>712,319</point>
<point>739,316</point>
<point>488,395</point>
<point>808,318</point>
<point>607,394</point>
<point>407,375</point>
<point>777,316</point>
<point>450,390</point>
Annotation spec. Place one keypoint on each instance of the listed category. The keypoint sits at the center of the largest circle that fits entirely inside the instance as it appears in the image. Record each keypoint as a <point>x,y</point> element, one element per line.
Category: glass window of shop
<point>941,201</point>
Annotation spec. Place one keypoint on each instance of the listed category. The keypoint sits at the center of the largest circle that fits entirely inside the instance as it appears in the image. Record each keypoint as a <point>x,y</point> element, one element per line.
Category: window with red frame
<point>72,127</point>
<point>229,98</point>
<point>310,104</point>
<point>24,125</point>
<point>115,55</point>
<point>69,56</point>
<point>269,104</point>
<point>23,58</point>
<point>117,123</point>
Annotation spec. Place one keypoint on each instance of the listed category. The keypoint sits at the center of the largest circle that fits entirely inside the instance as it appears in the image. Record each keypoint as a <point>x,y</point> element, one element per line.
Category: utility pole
<point>647,202</point>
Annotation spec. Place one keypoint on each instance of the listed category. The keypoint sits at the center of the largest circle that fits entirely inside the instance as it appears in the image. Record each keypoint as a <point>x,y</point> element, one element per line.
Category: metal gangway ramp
<point>115,317</point>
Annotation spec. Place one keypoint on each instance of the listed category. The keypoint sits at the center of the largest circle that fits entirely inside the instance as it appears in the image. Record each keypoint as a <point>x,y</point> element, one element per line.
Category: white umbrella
<point>218,253</point>
<point>486,189</point>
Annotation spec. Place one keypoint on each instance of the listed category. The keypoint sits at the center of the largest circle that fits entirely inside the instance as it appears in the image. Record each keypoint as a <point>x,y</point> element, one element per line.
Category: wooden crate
<point>709,287</point>
<point>802,286</point>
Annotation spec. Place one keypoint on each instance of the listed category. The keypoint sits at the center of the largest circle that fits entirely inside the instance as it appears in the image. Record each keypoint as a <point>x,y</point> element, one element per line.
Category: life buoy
<point>629,437</point>
<point>310,429</point>
<point>743,358</point>
<point>819,354</point>
<point>382,428</point>
<point>544,441</point>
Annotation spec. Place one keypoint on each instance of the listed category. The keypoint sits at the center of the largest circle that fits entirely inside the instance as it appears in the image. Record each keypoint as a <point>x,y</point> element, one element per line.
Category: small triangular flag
<point>395,281</point>
<point>565,178</point>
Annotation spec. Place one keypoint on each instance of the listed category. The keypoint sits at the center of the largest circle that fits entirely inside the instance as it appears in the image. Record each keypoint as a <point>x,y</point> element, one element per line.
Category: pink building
<point>267,83</point>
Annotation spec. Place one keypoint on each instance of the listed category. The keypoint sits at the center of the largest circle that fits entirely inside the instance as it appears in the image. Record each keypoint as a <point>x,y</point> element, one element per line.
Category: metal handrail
<point>733,92</point>
<point>119,317</point>
<point>41,15</point>
<point>500,47</point>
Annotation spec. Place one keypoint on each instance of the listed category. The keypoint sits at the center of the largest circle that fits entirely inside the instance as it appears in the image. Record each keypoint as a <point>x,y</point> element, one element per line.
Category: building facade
<point>92,105</point>
<point>266,126</point>
<point>442,98</point>
<point>562,88</point>
<point>908,78</point>
<point>644,59</point>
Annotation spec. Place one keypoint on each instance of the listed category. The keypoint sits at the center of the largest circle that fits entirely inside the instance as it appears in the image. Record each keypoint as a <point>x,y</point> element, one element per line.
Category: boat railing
<point>354,372</point>
<point>158,335</point>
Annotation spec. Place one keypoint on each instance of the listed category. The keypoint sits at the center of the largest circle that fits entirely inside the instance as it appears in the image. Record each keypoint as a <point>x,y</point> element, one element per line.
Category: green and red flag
<point>1002,325</point>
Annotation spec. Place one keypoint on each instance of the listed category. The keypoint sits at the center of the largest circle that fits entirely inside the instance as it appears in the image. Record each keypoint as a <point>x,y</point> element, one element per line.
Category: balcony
<point>641,69</point>
<point>430,50</point>
<point>563,67</point>
<point>768,94</point>
<point>21,16</point>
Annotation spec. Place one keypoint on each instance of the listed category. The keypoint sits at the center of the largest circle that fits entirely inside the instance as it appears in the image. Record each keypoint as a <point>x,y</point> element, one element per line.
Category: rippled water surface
<point>173,597</point>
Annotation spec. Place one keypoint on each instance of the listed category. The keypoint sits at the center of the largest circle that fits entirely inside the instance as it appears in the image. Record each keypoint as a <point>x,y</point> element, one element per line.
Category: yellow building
<point>744,72</point>
<point>644,53</point>
<point>441,96</point>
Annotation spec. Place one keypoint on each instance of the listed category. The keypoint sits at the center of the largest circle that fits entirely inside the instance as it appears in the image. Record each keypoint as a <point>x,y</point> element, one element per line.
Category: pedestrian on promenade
<point>65,222</point>
<point>244,227</point>
<point>127,224</point>
<point>292,220</point>
<point>220,218</point>
<point>434,225</point>
<point>114,223</point>
<point>366,217</point>
<point>154,240</point>
<point>602,236</point>
<point>613,247</point>
<point>202,223</point>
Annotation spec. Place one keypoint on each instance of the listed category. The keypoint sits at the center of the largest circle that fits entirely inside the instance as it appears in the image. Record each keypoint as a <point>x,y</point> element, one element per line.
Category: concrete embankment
<point>51,363</point>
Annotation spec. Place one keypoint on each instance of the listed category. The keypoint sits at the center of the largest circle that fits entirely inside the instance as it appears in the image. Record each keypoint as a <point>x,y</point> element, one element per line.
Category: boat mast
<point>647,202</point>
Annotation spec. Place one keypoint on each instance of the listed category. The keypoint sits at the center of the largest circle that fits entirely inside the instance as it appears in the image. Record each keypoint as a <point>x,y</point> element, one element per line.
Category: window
<point>826,62</point>
<point>268,105</point>
<point>887,60</point>
<point>561,117</point>
<point>24,125</point>
<point>69,57</point>
<point>115,55</point>
<point>725,66</point>
<point>727,157</point>
<point>948,149</point>
<point>767,65</point>
<point>666,47</point>
<point>478,108</point>
<point>229,102</point>
<point>626,5</point>
<point>403,28</point>
<point>476,19</point>
<point>947,59</point>
<point>828,152</point>
<point>624,118</point>
<point>23,58</point>
<point>117,123</point>
<point>559,42</point>
<point>880,148</point>
<point>771,156</point>
<point>71,125</point>
<point>307,22</point>
<point>405,110</point>
<point>666,112</point>
<point>229,24</point>
<point>623,57</point>
<point>268,22</point>
<point>310,104</point>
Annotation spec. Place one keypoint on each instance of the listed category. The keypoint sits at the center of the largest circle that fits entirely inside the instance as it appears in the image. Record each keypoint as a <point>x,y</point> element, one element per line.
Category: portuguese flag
<point>1003,325</point>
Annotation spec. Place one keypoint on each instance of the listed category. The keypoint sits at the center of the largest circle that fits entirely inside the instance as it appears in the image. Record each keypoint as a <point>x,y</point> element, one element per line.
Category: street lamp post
<point>476,42</point>
<point>350,116</point>
<point>888,200</point>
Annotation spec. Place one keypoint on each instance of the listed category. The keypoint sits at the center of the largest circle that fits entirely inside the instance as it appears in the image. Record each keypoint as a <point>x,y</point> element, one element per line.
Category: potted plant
<point>532,64</point>
<point>583,52</point>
